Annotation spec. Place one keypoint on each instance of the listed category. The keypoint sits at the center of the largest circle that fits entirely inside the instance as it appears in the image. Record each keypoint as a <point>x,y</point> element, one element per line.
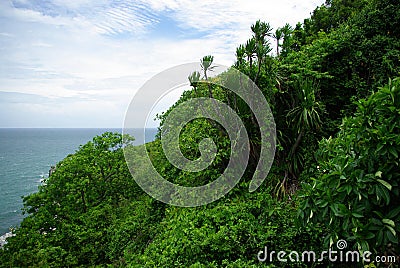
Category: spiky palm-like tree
<point>262,51</point>
<point>250,50</point>
<point>305,115</point>
<point>278,36</point>
<point>206,65</point>
<point>286,35</point>
<point>261,30</point>
<point>194,78</point>
<point>240,54</point>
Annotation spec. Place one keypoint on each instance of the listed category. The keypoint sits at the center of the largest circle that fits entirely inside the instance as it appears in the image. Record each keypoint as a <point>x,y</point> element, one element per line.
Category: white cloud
<point>105,50</point>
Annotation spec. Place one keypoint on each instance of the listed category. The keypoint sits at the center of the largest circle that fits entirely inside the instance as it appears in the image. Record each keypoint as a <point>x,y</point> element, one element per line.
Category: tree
<point>206,65</point>
<point>303,117</point>
<point>194,79</point>
<point>250,50</point>
<point>69,218</point>
<point>278,36</point>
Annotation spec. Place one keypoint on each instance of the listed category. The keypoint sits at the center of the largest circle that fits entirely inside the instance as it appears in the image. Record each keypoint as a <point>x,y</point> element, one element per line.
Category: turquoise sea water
<point>26,156</point>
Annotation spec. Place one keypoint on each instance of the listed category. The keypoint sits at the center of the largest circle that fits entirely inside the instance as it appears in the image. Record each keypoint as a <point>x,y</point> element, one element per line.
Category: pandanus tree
<point>194,79</point>
<point>303,117</point>
<point>240,56</point>
<point>256,48</point>
<point>278,36</point>
<point>250,59</point>
<point>261,30</point>
<point>250,49</point>
<point>287,40</point>
<point>262,51</point>
<point>206,65</point>
<point>299,105</point>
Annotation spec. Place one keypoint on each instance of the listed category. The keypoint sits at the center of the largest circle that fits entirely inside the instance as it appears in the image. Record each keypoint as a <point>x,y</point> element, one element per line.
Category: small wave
<point>42,178</point>
<point>3,239</point>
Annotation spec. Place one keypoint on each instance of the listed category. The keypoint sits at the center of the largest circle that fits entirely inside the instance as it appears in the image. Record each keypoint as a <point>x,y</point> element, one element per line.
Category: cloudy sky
<point>78,63</point>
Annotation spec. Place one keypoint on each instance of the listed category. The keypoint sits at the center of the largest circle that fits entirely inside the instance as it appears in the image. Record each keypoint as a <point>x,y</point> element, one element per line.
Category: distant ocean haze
<point>26,155</point>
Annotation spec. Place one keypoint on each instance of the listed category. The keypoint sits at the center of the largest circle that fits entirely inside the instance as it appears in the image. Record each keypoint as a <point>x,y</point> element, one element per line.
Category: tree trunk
<point>277,47</point>
<point>297,143</point>
<point>209,85</point>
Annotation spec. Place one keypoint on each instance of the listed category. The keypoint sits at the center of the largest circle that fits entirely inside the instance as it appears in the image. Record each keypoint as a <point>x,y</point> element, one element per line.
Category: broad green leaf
<point>369,235</point>
<point>385,183</point>
<point>393,213</point>
<point>393,151</point>
<point>392,236</point>
<point>391,229</point>
<point>388,222</point>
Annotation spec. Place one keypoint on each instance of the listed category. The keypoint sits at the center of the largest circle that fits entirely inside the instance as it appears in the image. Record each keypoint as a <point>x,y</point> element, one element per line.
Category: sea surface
<point>26,155</point>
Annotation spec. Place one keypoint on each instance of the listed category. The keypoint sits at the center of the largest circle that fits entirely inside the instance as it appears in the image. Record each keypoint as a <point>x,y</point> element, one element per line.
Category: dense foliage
<point>356,192</point>
<point>335,174</point>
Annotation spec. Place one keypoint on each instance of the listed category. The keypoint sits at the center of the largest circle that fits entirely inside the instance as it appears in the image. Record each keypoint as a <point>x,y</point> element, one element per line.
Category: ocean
<point>26,155</point>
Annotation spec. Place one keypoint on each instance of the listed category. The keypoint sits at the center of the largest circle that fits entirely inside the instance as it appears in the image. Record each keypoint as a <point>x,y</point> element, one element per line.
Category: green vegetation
<point>357,188</point>
<point>332,87</point>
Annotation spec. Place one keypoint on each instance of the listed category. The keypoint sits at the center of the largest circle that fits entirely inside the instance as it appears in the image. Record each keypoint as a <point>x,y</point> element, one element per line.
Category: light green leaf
<point>386,184</point>
<point>391,230</point>
<point>388,222</point>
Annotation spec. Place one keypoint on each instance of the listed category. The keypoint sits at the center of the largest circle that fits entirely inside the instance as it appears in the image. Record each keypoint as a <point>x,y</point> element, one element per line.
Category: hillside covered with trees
<point>331,83</point>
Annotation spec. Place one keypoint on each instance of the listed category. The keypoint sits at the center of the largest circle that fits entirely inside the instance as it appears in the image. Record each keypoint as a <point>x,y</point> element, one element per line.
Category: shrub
<point>356,194</point>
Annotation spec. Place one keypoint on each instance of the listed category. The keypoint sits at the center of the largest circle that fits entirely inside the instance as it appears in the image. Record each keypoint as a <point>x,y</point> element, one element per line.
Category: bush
<point>229,233</point>
<point>356,194</point>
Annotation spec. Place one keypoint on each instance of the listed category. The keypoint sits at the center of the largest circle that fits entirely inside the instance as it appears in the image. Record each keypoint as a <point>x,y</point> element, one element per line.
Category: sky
<point>78,63</point>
